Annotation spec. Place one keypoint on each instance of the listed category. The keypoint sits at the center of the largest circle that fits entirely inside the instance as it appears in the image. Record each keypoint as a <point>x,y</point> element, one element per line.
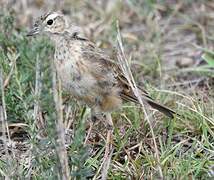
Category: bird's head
<point>51,23</point>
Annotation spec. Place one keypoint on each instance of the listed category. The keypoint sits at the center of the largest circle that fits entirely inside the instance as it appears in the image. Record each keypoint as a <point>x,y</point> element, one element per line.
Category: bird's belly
<point>85,87</point>
<point>79,84</point>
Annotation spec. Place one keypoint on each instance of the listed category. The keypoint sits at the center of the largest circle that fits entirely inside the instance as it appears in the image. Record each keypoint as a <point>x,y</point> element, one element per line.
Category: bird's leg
<point>108,147</point>
<point>109,135</point>
<point>94,119</point>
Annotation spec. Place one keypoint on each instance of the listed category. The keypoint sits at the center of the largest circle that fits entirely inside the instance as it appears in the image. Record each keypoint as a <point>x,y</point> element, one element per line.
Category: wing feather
<point>109,75</point>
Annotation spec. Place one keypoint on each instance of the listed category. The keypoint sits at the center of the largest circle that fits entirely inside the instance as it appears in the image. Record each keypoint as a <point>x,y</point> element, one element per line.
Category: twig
<point>3,119</point>
<point>106,165</point>
<point>37,88</point>
<point>61,150</point>
<point>13,59</point>
<point>39,121</point>
<point>123,62</point>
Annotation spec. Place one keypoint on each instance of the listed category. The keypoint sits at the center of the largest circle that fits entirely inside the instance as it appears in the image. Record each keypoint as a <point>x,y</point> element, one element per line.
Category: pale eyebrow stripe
<point>51,16</point>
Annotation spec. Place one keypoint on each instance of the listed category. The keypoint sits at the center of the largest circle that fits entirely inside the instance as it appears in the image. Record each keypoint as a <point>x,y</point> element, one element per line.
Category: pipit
<point>86,71</point>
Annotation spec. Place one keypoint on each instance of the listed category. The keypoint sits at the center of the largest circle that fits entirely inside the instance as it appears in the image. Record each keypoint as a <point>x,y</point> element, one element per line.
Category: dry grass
<point>163,43</point>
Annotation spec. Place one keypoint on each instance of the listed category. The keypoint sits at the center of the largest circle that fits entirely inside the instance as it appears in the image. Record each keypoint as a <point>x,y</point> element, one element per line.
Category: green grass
<point>185,143</point>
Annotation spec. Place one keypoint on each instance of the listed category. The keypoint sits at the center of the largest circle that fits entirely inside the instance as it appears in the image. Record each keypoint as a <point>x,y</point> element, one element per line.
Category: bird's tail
<point>165,110</point>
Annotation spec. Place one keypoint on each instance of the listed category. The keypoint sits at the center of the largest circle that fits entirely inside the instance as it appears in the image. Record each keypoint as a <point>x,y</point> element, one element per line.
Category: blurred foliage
<point>209,58</point>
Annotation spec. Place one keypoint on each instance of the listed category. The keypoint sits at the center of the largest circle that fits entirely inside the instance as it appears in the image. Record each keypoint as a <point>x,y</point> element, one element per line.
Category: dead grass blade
<point>38,119</point>
<point>3,120</point>
<point>12,58</point>
<point>124,65</point>
<point>61,150</point>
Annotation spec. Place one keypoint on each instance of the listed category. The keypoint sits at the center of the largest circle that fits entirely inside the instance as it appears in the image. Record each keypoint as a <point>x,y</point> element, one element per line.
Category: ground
<point>169,45</point>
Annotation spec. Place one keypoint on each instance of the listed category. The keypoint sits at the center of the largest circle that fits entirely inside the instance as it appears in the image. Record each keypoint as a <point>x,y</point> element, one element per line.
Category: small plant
<point>209,58</point>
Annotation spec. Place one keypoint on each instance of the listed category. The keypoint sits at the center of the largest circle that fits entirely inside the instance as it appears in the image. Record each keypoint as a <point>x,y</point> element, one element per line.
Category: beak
<point>33,31</point>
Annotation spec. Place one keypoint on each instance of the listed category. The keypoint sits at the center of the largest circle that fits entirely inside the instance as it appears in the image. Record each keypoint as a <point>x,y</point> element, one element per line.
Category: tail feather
<point>165,110</point>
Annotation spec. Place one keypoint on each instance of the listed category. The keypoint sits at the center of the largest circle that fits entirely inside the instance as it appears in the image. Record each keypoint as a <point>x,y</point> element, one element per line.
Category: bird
<point>87,72</point>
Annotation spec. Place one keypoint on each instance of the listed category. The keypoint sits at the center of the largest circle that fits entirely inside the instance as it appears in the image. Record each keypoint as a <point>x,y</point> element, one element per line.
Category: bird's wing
<point>105,67</point>
<point>100,65</point>
<point>107,71</point>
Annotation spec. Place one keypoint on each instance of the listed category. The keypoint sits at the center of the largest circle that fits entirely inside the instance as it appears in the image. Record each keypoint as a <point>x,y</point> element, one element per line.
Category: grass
<point>184,144</point>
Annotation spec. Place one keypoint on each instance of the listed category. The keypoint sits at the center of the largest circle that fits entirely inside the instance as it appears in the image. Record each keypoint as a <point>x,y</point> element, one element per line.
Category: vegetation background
<point>170,47</point>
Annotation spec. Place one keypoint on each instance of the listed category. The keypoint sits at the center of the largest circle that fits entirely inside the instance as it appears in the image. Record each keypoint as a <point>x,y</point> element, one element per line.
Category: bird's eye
<point>49,22</point>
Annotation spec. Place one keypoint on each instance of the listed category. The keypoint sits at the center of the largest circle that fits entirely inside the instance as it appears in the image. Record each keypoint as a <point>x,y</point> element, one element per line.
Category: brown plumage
<point>86,71</point>
<point>89,75</point>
